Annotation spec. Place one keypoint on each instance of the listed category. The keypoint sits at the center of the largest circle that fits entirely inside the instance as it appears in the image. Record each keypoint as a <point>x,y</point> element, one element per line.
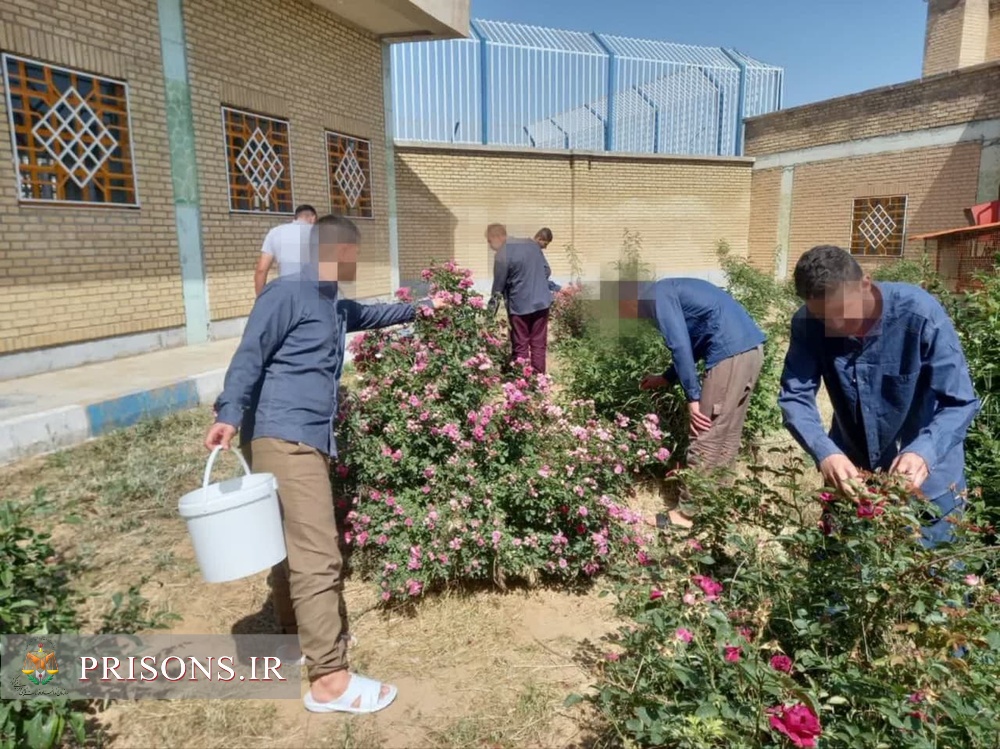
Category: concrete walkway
<point>48,411</point>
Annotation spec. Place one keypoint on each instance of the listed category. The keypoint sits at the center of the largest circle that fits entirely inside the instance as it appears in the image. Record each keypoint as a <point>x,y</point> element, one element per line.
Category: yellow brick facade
<point>956,37</point>
<point>680,207</point>
<point>298,62</point>
<point>993,37</point>
<point>765,196</point>
<point>68,273</point>
<point>72,274</point>
<point>954,98</point>
<point>939,183</point>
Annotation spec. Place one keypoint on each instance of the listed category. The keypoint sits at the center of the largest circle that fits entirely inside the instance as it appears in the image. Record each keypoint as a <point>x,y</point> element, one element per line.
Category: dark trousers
<point>529,336</point>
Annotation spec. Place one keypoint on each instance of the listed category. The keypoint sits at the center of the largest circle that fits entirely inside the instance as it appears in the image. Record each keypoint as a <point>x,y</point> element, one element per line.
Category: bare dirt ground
<point>474,670</point>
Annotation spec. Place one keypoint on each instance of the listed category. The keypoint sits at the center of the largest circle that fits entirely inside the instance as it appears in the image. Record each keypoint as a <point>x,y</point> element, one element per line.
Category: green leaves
<point>868,617</point>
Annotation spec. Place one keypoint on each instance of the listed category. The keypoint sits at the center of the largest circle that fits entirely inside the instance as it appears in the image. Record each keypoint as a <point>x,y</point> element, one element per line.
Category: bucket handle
<point>211,462</point>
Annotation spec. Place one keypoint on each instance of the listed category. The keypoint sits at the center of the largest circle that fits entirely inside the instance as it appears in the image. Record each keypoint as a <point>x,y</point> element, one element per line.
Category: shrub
<point>568,316</point>
<point>457,475</point>
<point>976,315</point>
<point>919,272</point>
<point>608,360</point>
<point>37,598</point>
<point>772,629</point>
<point>771,305</point>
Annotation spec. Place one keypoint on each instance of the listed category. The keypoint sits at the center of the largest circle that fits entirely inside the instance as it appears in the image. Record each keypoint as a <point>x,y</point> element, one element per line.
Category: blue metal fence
<point>529,86</point>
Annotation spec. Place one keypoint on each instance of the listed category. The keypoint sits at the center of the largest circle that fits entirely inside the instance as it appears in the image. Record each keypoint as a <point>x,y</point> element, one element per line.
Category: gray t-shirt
<point>288,244</point>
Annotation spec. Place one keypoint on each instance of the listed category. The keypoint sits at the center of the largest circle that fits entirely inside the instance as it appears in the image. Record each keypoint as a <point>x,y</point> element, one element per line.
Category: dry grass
<point>485,670</point>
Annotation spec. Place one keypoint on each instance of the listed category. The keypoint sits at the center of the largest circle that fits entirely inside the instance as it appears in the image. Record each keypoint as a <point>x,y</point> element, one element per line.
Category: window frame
<point>905,197</point>
<point>223,108</point>
<point>62,202</point>
<point>370,180</point>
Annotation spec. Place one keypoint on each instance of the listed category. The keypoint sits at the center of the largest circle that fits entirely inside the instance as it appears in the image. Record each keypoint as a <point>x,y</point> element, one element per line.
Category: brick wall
<point>71,274</point>
<point>953,98</point>
<point>993,37</point>
<point>681,207</point>
<point>956,34</point>
<point>765,194</point>
<point>294,61</point>
<point>939,184</point>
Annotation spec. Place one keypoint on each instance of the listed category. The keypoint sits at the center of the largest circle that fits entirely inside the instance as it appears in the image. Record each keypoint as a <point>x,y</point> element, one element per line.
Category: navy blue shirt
<point>521,274</point>
<point>699,322</point>
<point>904,387</point>
<point>284,378</point>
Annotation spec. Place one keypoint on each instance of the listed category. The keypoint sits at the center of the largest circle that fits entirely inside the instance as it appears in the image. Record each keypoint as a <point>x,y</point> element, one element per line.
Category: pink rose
<point>655,594</point>
<point>799,723</point>
<point>972,580</point>
<point>782,663</point>
<point>684,635</point>
<point>733,653</point>
<point>689,599</point>
<point>868,510</point>
<point>710,587</point>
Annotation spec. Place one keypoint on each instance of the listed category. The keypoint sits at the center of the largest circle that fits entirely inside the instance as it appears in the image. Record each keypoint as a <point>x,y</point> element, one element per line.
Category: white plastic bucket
<point>235,526</point>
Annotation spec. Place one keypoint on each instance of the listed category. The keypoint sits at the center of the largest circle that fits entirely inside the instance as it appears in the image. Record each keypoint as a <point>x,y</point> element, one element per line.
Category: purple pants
<point>529,336</point>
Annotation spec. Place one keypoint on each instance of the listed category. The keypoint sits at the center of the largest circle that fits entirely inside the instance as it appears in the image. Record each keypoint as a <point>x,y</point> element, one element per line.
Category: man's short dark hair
<point>825,269</point>
<point>304,209</point>
<point>544,234</point>
<point>334,229</point>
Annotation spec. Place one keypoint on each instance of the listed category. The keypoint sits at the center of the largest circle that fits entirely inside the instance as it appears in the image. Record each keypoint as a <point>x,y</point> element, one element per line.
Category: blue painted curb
<point>127,410</point>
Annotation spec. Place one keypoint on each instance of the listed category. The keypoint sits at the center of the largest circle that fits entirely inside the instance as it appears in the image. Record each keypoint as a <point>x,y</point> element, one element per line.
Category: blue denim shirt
<point>698,321</point>
<point>521,274</point>
<point>284,378</point>
<point>907,380</point>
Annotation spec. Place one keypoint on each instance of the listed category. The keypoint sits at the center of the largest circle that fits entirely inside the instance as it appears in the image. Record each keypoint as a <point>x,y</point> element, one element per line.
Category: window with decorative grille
<point>70,134</point>
<point>350,164</point>
<point>259,162</point>
<point>878,226</point>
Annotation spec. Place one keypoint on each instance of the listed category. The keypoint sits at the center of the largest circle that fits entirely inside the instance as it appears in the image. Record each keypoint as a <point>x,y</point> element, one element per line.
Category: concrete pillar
<point>390,166</point>
<point>989,172</point>
<point>184,169</point>
<point>784,222</point>
<point>957,34</point>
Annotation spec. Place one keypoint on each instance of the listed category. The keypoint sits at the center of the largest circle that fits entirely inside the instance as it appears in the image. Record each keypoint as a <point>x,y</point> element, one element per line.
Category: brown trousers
<point>307,589</point>
<point>725,397</point>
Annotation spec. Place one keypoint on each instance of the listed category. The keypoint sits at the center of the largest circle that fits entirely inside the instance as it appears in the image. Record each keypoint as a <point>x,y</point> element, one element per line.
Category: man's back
<point>717,325</point>
<point>521,275</point>
<point>289,245</point>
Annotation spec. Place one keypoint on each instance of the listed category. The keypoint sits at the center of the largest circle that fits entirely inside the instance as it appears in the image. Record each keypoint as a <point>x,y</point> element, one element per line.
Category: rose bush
<point>568,315</point>
<point>780,625</point>
<point>459,471</point>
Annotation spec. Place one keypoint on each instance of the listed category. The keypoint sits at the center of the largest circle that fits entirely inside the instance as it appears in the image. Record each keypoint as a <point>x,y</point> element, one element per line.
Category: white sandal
<point>366,692</point>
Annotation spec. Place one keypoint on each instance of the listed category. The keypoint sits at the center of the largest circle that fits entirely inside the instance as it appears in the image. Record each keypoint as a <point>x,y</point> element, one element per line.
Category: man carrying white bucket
<point>280,393</point>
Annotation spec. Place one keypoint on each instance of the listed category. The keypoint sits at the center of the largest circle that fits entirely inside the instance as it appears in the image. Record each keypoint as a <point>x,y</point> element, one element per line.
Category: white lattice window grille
<point>70,133</point>
<point>259,162</point>
<point>350,174</point>
<point>878,226</point>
